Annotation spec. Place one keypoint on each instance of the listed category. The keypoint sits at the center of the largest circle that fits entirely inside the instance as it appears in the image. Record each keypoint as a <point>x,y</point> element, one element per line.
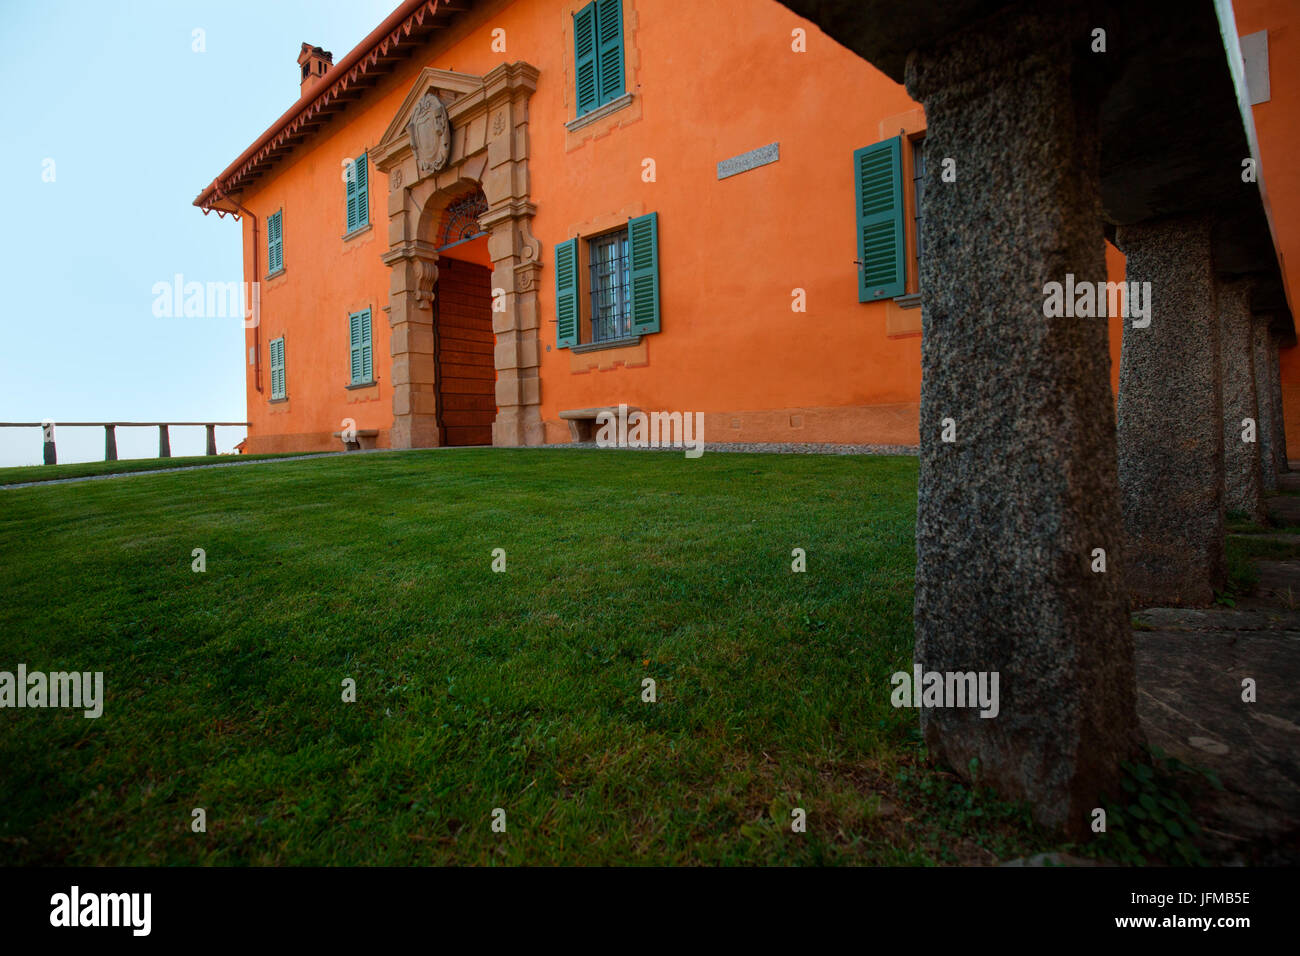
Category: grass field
<point>478,690</point>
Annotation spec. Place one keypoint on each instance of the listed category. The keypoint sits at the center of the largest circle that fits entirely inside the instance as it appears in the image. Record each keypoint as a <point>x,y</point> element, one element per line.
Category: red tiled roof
<point>368,62</point>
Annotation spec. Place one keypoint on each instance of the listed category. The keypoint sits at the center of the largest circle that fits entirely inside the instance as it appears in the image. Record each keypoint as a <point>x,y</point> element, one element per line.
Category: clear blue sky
<point>136,123</point>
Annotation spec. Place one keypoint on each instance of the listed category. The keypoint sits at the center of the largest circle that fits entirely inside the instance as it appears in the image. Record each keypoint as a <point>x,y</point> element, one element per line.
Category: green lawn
<point>84,469</point>
<point>477,690</point>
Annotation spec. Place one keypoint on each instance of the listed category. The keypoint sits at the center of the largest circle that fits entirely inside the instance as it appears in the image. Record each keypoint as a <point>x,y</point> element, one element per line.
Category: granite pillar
<point>1279,414</point>
<point>1269,401</point>
<point>1170,413</point>
<point>1243,473</point>
<point>1013,510</point>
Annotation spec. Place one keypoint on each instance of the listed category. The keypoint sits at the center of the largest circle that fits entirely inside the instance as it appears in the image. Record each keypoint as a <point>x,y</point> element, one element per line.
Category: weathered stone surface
<point>1190,699</point>
<point>1243,477</point>
<point>1279,584</point>
<point>1269,402</point>
<point>1009,513</point>
<point>1220,619</point>
<point>1170,418</point>
<point>1275,389</point>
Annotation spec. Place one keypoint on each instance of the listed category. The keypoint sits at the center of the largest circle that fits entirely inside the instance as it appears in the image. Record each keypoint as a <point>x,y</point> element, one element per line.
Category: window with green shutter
<point>643,268</point>
<point>359,347</point>
<point>357,183</point>
<point>878,174</point>
<point>621,300</point>
<point>598,54</point>
<point>278,389</point>
<point>566,294</point>
<point>274,243</point>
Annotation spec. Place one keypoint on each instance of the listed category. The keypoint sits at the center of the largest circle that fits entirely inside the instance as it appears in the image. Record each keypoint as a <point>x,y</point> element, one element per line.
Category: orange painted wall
<point>1277,126</point>
<point>711,80</point>
<point>733,251</point>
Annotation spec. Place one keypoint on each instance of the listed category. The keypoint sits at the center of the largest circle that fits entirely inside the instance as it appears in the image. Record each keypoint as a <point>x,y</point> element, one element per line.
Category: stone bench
<point>365,439</point>
<point>582,421</point>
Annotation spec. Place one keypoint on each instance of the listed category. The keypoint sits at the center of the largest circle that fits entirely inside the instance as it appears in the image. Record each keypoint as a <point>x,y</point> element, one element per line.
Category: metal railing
<point>110,434</point>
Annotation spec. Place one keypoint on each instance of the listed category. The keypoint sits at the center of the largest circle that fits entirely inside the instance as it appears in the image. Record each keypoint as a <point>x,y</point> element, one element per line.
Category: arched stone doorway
<point>456,132</point>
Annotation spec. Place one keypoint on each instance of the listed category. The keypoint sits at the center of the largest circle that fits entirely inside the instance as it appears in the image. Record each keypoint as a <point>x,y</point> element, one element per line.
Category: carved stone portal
<point>482,142</point>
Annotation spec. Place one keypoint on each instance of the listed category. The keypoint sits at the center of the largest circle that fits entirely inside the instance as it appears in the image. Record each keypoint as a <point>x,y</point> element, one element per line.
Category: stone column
<point>1171,417</point>
<point>164,442</point>
<point>515,272</point>
<point>1243,474</point>
<point>413,272</point>
<point>1268,398</point>
<point>212,440</point>
<point>110,443</point>
<point>1014,511</point>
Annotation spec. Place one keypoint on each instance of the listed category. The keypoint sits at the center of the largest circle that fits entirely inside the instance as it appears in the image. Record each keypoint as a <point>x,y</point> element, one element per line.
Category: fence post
<point>51,453</point>
<point>212,439</point>
<point>110,443</point>
<point>164,442</point>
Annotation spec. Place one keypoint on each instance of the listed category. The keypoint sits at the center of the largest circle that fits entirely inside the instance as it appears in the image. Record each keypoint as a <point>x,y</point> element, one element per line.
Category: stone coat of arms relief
<point>430,132</point>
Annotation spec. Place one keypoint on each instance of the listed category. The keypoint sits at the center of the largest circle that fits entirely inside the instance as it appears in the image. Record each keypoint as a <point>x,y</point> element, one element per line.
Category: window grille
<point>611,316</point>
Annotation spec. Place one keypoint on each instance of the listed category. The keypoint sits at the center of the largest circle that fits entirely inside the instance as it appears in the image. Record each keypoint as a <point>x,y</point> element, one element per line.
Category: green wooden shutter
<point>878,172</point>
<point>643,251</point>
<point>367,363</point>
<point>351,192</point>
<point>363,189</point>
<point>274,243</point>
<point>354,346</point>
<point>358,192</point>
<point>566,294</point>
<point>359,347</point>
<point>609,49</point>
<point>584,58</point>
<point>277,368</point>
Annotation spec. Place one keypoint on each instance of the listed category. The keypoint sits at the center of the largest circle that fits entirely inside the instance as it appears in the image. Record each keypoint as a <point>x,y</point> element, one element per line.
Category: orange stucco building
<point>490,219</point>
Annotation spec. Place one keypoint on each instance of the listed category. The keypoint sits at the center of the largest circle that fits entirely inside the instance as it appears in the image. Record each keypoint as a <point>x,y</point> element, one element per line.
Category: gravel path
<point>778,448</point>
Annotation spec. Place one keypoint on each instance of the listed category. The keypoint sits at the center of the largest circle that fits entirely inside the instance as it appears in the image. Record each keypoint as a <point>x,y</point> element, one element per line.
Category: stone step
<point>1279,582</point>
<point>1284,509</point>
<point>1259,618</point>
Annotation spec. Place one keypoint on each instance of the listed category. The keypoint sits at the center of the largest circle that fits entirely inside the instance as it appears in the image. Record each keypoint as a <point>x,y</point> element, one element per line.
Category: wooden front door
<point>464,342</point>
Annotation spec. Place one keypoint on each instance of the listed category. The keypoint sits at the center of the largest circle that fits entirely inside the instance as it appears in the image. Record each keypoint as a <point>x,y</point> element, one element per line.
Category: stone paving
<point>1191,664</point>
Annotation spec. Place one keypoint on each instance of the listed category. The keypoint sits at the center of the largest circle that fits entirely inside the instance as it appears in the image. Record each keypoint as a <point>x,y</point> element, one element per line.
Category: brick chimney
<point>313,62</point>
